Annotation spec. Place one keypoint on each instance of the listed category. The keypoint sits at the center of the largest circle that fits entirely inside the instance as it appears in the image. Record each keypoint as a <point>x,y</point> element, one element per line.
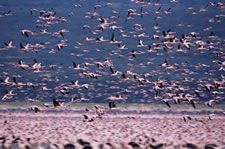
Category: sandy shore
<point>111,131</point>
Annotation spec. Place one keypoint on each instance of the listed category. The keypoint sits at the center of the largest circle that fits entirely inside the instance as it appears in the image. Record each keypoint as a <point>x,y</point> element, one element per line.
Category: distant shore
<point>122,109</point>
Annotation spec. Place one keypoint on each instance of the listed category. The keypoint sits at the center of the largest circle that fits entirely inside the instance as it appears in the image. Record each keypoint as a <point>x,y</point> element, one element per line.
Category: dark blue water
<point>91,51</point>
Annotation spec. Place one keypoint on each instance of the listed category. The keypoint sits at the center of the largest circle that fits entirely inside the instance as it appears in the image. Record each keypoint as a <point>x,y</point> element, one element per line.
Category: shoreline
<point>123,108</point>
